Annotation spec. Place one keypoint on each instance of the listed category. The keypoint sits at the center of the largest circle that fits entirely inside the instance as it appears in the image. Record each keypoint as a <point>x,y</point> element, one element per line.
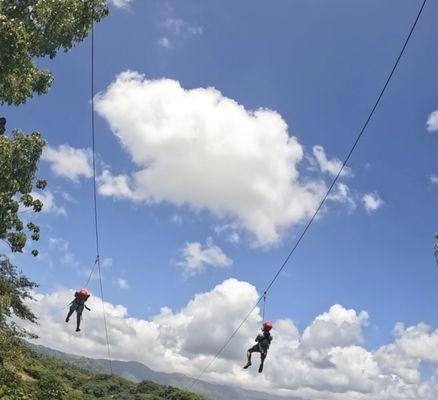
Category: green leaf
<point>33,29</point>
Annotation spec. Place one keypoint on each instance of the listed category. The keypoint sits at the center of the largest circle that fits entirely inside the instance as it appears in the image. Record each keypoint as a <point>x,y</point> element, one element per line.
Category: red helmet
<point>267,326</point>
<point>84,292</point>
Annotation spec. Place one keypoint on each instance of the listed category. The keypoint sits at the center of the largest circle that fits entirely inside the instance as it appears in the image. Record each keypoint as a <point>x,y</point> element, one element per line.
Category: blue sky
<point>319,65</point>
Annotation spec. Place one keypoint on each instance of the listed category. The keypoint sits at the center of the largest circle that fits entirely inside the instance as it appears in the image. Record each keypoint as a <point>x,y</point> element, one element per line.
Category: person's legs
<point>79,311</point>
<point>263,355</point>
<point>253,349</point>
<point>248,356</point>
<point>73,308</point>
<point>78,321</point>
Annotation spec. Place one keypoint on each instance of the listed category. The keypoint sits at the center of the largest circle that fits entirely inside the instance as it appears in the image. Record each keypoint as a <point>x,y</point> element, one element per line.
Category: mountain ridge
<point>137,372</point>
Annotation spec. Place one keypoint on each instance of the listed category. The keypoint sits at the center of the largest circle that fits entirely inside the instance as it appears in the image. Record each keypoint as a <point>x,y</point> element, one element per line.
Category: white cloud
<point>199,148</point>
<point>62,247</point>
<point>332,166</point>
<point>170,334</point>
<point>337,327</point>
<point>165,42</point>
<point>49,205</point>
<point>372,202</point>
<point>115,186</point>
<point>413,346</point>
<point>181,27</point>
<point>198,257</point>
<point>68,197</point>
<point>434,179</point>
<point>123,283</point>
<point>326,361</point>
<point>229,231</point>
<point>106,263</point>
<point>69,259</point>
<point>59,244</point>
<point>120,3</point>
<point>176,219</point>
<point>69,162</point>
<point>342,194</point>
<point>432,122</point>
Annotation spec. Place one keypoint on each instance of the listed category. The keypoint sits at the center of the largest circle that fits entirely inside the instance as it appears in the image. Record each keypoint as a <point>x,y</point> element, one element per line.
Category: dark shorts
<point>258,349</point>
<point>78,307</point>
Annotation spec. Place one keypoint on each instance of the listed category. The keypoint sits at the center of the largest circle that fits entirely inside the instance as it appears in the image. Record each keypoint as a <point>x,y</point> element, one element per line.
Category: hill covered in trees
<point>37,377</point>
<point>26,375</point>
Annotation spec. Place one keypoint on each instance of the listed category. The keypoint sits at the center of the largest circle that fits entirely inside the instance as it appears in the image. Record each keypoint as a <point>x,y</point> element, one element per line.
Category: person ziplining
<point>78,305</point>
<point>325,197</point>
<point>81,296</point>
<point>263,341</point>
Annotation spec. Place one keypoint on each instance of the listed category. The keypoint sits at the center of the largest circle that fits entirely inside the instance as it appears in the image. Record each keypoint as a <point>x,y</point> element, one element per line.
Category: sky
<point>219,126</point>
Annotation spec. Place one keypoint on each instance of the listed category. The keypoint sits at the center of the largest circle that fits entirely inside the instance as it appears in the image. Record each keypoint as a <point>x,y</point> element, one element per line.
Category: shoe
<point>78,330</point>
<point>247,365</point>
<point>261,368</point>
<point>67,319</point>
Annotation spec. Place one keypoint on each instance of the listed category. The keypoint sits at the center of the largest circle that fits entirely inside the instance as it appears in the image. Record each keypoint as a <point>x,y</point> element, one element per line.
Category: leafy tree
<point>14,290</point>
<point>19,156</point>
<point>31,29</point>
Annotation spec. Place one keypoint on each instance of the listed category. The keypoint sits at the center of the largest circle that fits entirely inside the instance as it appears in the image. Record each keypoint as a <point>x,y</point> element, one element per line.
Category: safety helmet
<point>84,292</point>
<point>267,326</point>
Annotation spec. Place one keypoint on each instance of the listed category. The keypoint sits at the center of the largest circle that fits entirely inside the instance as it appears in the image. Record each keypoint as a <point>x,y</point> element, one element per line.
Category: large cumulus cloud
<point>327,360</point>
<point>199,148</point>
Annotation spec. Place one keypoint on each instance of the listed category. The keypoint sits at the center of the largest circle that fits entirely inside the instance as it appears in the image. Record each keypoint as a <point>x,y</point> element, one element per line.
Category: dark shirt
<point>264,340</point>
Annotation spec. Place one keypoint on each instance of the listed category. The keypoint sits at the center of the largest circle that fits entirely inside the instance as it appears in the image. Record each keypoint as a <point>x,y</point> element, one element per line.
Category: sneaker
<point>261,368</point>
<point>247,365</point>
<point>78,330</point>
<point>67,319</point>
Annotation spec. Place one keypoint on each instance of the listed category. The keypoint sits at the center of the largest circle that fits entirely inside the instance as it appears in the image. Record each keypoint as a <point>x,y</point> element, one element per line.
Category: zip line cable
<point>96,221</point>
<point>335,179</point>
<point>264,307</point>
<point>85,286</point>
<point>110,362</point>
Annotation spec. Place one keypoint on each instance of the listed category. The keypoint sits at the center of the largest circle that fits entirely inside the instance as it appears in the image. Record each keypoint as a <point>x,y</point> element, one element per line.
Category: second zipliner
<point>263,341</point>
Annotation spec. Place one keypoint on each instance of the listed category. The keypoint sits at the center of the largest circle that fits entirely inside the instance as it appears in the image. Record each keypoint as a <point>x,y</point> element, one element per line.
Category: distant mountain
<point>138,372</point>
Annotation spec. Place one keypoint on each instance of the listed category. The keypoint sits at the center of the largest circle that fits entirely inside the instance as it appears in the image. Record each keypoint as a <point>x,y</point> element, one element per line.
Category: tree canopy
<point>19,156</point>
<point>31,29</point>
<point>14,290</point>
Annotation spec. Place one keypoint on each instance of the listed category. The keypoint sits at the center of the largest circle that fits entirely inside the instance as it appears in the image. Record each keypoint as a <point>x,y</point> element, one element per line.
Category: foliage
<point>44,377</point>
<point>14,290</point>
<point>32,29</point>
<point>19,156</point>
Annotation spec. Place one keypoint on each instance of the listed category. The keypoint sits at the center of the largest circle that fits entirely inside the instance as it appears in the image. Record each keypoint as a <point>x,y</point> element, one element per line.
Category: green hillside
<point>45,378</point>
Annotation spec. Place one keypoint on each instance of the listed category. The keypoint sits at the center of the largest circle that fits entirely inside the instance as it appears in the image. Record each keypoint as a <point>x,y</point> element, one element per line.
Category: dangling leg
<point>262,358</point>
<point>78,321</point>
<point>71,311</point>
<point>248,356</point>
<point>79,311</point>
